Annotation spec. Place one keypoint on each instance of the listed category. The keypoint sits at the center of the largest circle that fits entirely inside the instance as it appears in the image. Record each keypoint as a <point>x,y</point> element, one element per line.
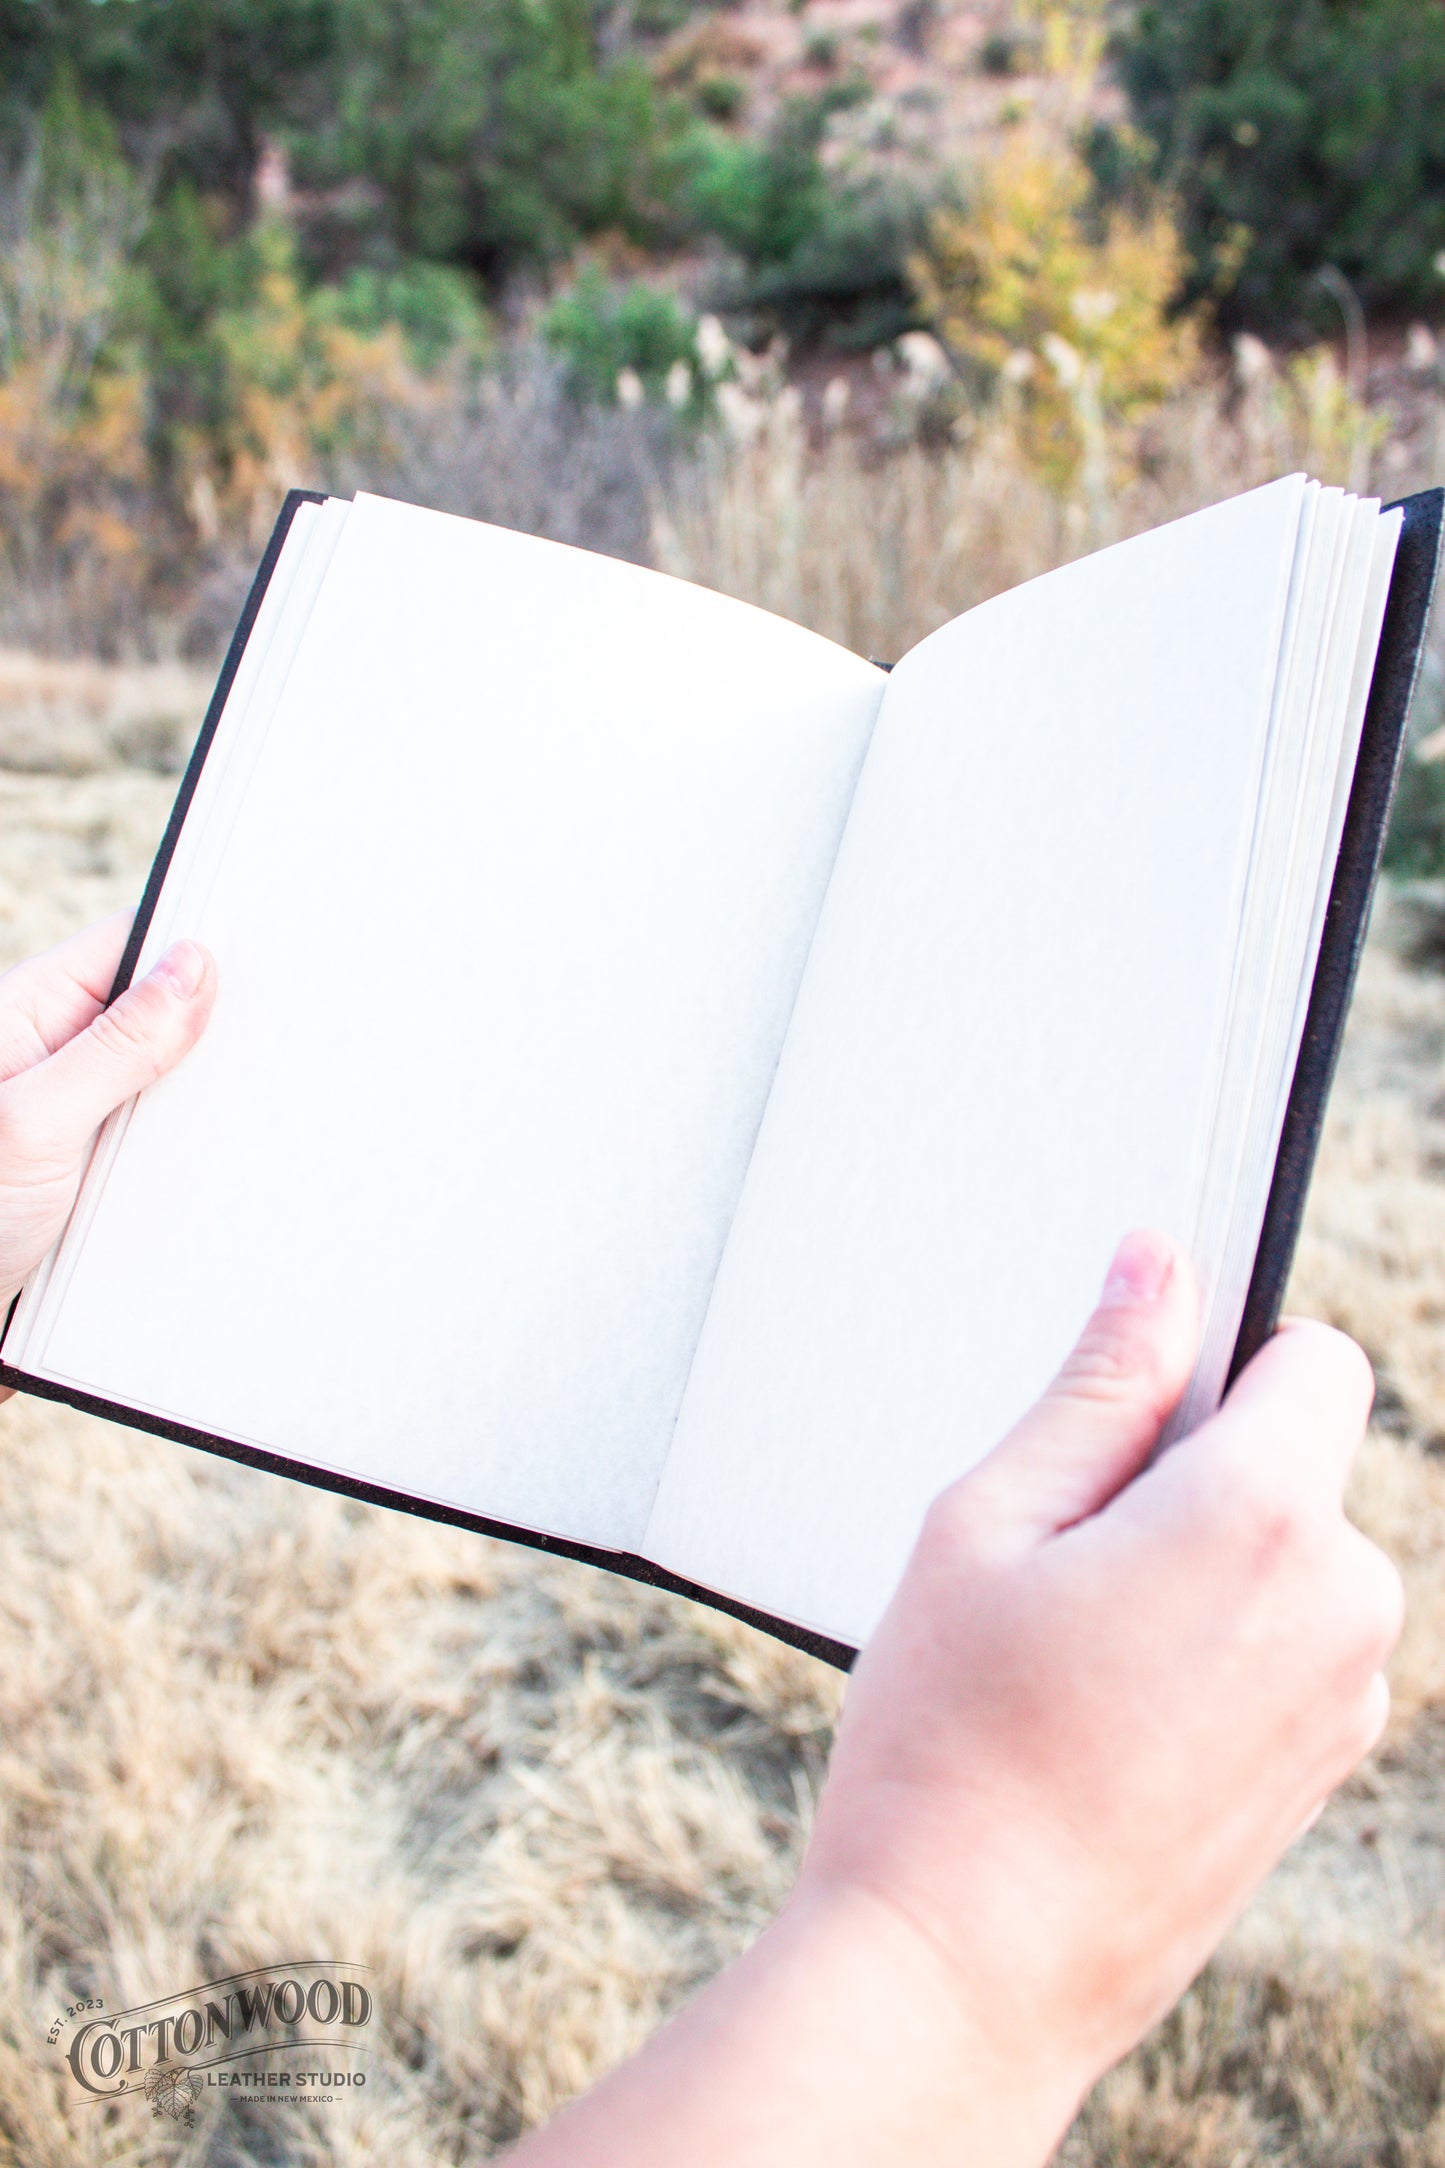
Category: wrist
<point>842,2036</point>
<point>908,2040</point>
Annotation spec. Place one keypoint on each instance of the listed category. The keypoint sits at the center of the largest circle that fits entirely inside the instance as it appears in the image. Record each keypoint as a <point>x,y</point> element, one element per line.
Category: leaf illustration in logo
<point>173,2091</point>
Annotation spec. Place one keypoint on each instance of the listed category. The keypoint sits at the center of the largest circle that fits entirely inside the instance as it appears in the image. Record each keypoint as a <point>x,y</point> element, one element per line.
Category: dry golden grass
<point>70,718</point>
<point>1372,1260</point>
<point>1301,2062</point>
<point>244,1722</point>
<point>877,546</point>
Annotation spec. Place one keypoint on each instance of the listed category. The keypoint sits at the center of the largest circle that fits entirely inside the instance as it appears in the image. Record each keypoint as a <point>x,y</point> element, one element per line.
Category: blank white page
<point>270,649</point>
<point>509,918</point>
<point>1004,1053</point>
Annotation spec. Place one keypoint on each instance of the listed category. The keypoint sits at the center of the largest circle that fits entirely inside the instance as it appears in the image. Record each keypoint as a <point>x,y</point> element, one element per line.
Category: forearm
<point>840,2037</point>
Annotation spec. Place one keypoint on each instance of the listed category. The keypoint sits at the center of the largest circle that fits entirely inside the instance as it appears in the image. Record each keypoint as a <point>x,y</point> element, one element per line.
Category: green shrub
<point>601,330</point>
<point>191,85</point>
<point>489,129</point>
<point>188,270</point>
<point>762,197</point>
<point>847,281</point>
<point>484,136</point>
<point>436,308</point>
<point>1415,845</point>
<point>821,252</point>
<point>659,18</point>
<point>1295,134</point>
<point>721,96</point>
<point>486,133</point>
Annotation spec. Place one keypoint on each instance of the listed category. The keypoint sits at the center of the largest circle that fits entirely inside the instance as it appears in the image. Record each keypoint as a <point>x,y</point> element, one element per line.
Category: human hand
<point>1105,1698</point>
<point>66,1061</point>
<point>1108,1695</point>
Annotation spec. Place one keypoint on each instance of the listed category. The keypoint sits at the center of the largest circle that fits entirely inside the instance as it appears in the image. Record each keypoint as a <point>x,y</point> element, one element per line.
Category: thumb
<point>61,1102</point>
<point>1099,1421</point>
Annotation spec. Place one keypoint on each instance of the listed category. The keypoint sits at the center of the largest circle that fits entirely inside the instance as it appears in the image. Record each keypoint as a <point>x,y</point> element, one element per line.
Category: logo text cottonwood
<point>160,2049</point>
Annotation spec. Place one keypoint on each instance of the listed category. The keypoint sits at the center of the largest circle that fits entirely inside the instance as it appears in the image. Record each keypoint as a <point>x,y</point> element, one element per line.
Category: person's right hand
<point>1108,1695</point>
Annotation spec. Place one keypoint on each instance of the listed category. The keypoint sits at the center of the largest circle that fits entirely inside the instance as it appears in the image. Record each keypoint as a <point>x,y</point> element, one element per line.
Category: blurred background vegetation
<point>862,308</point>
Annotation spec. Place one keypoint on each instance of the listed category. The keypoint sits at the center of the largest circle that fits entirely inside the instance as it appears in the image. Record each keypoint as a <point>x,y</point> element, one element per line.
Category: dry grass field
<point>242,1722</point>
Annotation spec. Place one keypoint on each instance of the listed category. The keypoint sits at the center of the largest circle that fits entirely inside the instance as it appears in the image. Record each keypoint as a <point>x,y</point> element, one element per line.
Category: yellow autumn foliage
<point>302,389</point>
<point>103,522</point>
<point>73,459</point>
<point>1073,36</point>
<point>1070,334</point>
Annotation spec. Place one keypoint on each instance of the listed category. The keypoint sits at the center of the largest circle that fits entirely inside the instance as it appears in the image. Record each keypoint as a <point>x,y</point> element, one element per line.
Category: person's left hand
<point>66,1061</point>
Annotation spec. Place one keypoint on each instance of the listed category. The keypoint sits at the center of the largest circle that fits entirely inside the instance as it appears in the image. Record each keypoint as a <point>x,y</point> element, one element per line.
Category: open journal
<point>675,1087</point>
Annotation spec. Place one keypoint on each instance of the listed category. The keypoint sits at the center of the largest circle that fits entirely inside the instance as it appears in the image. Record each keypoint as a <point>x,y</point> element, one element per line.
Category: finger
<point>1367,1726</point>
<point>1100,1420</point>
<point>57,1105</point>
<point>50,998</point>
<point>1305,1398</point>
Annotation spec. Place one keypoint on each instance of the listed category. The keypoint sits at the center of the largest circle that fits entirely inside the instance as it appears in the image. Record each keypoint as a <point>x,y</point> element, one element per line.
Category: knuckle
<point>1261,1506</point>
<point>131,1026</point>
<point>1362,1372</point>
<point>1104,1365</point>
<point>956,1517</point>
<point>1338,1361</point>
<point>1356,1373</point>
<point>1377,1604</point>
<point>1369,1719</point>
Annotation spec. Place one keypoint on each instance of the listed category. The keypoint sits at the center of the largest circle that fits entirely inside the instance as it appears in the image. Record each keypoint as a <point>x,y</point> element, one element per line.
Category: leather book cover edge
<point>160,865</point>
<point>626,1563</point>
<point>1347,915</point>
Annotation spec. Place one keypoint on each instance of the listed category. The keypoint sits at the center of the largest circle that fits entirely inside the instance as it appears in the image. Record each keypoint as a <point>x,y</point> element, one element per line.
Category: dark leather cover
<point>1347,916</point>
